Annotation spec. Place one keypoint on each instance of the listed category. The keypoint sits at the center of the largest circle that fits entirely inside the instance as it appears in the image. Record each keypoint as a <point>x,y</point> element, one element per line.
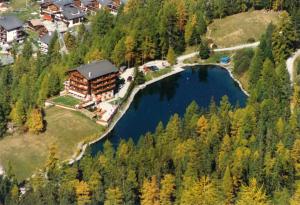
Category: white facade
<point>11,36</point>
<point>43,47</point>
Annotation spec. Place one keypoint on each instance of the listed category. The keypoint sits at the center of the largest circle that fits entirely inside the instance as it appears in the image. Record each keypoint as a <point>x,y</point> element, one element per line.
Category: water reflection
<point>159,101</point>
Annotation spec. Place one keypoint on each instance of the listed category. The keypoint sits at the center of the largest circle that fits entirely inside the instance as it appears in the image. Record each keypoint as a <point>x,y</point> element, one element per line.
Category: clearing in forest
<point>239,28</point>
<point>28,152</point>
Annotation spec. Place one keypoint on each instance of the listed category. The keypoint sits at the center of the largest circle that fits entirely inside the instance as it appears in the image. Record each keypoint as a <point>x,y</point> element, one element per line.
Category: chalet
<point>93,82</point>
<point>71,15</point>
<point>11,29</point>
<point>88,6</point>
<point>37,25</point>
<point>62,10</point>
<point>111,5</point>
<point>44,42</point>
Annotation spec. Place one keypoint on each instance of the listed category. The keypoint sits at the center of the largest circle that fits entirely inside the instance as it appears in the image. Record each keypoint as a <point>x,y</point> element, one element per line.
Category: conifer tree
<point>204,51</point>
<point>252,194</point>
<point>35,122</point>
<point>150,192</point>
<point>171,57</point>
<point>255,68</point>
<point>228,187</point>
<point>201,192</point>
<point>82,193</point>
<point>113,196</point>
<point>295,200</point>
<point>284,38</point>
<point>167,189</point>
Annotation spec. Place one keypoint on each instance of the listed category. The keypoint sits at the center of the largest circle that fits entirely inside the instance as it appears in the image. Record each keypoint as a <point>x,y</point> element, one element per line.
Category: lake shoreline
<point>177,69</point>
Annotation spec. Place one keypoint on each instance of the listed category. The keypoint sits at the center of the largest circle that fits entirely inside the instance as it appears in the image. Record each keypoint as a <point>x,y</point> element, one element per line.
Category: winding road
<point>182,58</point>
<point>290,64</point>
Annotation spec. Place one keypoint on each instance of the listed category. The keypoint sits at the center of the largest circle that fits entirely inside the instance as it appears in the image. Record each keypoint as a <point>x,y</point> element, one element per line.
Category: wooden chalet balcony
<point>76,89</point>
<point>79,80</point>
<point>103,84</point>
<point>83,87</point>
<point>79,76</point>
<point>104,78</point>
<point>103,89</point>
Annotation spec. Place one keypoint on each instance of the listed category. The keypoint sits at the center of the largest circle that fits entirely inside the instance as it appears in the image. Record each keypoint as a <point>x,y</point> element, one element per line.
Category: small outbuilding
<point>225,60</point>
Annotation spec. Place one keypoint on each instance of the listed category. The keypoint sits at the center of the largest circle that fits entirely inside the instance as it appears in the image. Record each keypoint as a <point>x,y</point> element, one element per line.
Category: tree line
<point>220,155</point>
<point>142,31</point>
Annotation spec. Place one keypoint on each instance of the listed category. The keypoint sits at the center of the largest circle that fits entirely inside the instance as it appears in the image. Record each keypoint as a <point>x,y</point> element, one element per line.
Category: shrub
<point>251,40</point>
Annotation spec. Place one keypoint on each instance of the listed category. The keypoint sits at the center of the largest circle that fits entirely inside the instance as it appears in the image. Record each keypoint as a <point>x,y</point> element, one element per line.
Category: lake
<point>159,101</point>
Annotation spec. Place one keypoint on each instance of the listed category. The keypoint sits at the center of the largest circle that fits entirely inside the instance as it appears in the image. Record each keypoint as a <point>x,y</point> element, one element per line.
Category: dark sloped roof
<point>62,3</point>
<point>105,2</point>
<point>71,12</point>
<point>97,69</point>
<point>10,22</point>
<point>47,38</point>
<point>86,2</point>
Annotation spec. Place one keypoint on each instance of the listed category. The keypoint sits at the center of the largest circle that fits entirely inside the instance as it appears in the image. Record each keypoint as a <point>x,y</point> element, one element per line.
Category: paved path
<point>249,45</point>
<point>180,59</point>
<point>290,64</point>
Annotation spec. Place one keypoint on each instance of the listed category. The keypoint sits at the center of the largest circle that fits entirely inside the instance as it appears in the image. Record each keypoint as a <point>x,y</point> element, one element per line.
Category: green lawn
<point>66,100</point>
<point>65,129</point>
<point>155,74</point>
<point>237,29</point>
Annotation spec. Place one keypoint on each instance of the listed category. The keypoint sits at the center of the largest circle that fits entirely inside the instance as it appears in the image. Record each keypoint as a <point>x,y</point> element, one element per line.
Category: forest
<point>221,155</point>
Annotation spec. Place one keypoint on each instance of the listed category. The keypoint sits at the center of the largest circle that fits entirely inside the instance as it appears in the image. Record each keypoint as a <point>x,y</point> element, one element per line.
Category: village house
<point>11,29</point>
<point>111,5</point>
<point>44,42</point>
<point>88,6</point>
<point>94,82</point>
<point>62,10</point>
<point>37,26</point>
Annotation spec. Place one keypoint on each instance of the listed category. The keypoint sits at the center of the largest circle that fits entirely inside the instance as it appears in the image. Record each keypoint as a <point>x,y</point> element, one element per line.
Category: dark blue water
<point>159,101</point>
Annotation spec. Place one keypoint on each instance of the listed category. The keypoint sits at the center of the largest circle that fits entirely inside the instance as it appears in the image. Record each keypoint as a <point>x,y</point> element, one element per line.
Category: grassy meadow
<point>28,152</point>
<point>237,29</point>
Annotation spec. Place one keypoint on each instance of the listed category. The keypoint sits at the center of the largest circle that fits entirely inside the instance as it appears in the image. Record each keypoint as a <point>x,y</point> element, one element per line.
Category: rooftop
<point>71,12</point>
<point>47,38</point>
<point>10,22</point>
<point>97,69</point>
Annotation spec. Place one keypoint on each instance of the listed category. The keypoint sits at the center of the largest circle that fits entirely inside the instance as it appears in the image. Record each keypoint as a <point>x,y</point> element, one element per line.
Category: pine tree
<point>113,196</point>
<point>171,57</point>
<point>82,193</point>
<point>3,121</point>
<point>119,53</point>
<point>35,122</point>
<point>295,154</point>
<point>18,115</point>
<point>255,68</point>
<point>150,192</point>
<point>201,192</point>
<point>252,194</point>
<point>284,38</point>
<point>129,47</point>
<point>167,189</point>
<point>228,187</point>
<point>27,50</point>
<point>204,51</point>
<point>70,41</point>
<point>92,55</point>
<point>202,125</point>
<point>295,200</point>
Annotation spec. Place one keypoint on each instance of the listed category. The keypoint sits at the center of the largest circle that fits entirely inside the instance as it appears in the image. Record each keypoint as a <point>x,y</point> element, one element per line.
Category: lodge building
<point>11,29</point>
<point>93,82</point>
